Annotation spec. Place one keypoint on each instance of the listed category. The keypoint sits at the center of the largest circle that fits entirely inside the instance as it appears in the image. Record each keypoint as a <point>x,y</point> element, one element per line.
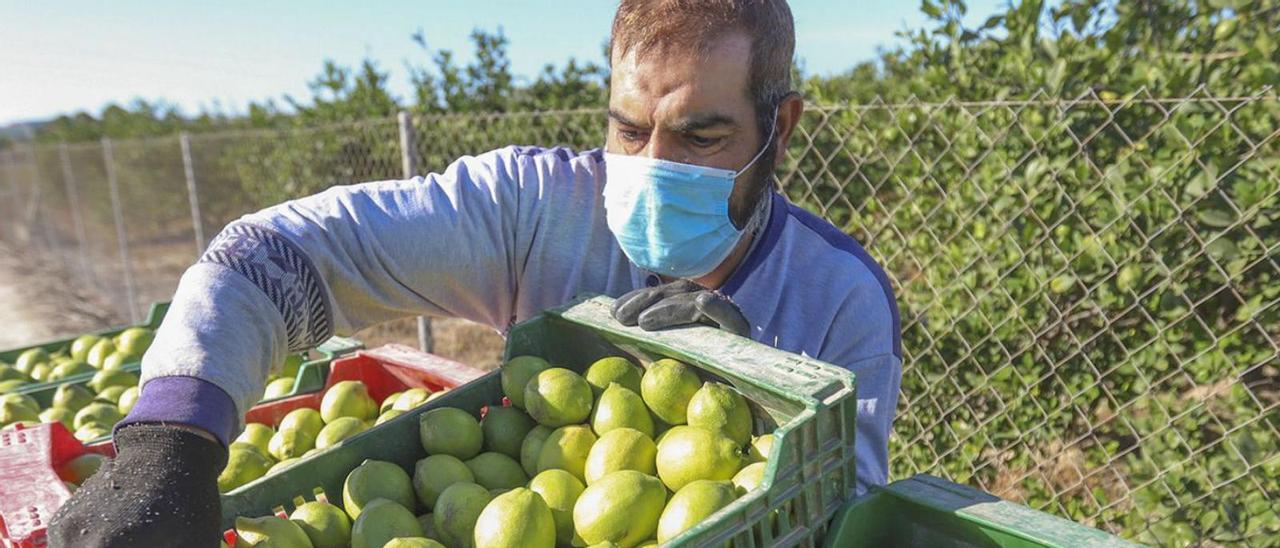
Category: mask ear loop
<point>773,128</point>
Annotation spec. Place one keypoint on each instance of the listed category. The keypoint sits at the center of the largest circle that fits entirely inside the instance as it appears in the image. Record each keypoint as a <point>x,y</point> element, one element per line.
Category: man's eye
<point>630,135</point>
<point>703,142</point>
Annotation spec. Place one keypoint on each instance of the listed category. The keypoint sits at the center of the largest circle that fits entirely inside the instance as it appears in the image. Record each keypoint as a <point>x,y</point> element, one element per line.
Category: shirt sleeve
<point>288,277</point>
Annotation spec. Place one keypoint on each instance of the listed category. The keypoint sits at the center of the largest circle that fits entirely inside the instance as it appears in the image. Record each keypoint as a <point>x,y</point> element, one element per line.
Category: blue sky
<point>64,56</point>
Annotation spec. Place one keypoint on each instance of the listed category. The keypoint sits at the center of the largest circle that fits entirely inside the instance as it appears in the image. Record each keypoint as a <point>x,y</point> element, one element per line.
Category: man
<point>678,215</point>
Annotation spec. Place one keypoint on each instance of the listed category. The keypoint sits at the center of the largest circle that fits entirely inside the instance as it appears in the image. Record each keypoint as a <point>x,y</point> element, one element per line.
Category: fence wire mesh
<point>1090,286</point>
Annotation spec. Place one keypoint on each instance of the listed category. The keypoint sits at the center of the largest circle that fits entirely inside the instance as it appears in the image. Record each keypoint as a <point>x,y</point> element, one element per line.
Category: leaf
<point>931,9</point>
<point>1216,217</point>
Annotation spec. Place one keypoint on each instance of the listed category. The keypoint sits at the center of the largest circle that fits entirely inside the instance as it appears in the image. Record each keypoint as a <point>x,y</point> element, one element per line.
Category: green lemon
<point>622,507</point>
<point>505,429</point>
<point>278,388</point>
<point>667,387</point>
<point>434,474</point>
<point>338,430</point>
<point>107,378</point>
<point>127,400</point>
<point>288,444</point>
<point>112,394</point>
<point>749,478</point>
<point>388,402</point>
<point>119,359</point>
<point>8,373</point>
<point>412,542</point>
<point>560,490</point>
<point>382,521</point>
<point>72,397</point>
<point>306,419</point>
<point>376,479</point>
<point>135,340</point>
<point>558,397</point>
<point>29,359</point>
<point>619,407</point>
<point>280,466</point>
<point>12,411</point>
<point>494,470</point>
<point>567,448</point>
<point>517,373</point>
<point>456,512</point>
<point>347,399</point>
<point>58,414</point>
<point>450,431</point>
<point>518,518</point>
<point>411,398</point>
<point>92,432</point>
<point>715,406</point>
<point>761,448</point>
<point>99,352</point>
<point>101,413</point>
<point>81,346</point>
<point>11,385</point>
<point>693,503</point>
<point>243,466</point>
<point>81,468</point>
<point>271,531</point>
<point>325,524</point>
<point>621,449</point>
<point>688,454</point>
<point>531,447</point>
<point>41,372</point>
<point>428,523</point>
<point>613,369</point>
<point>388,415</point>
<point>257,435</point>
<point>68,369</point>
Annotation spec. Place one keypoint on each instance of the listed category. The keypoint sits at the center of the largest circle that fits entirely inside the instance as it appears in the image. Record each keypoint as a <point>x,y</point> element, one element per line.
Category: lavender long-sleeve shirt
<point>495,239</point>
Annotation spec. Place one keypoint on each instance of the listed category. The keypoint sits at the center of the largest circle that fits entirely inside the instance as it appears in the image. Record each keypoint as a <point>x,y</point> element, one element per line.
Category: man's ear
<point>789,112</point>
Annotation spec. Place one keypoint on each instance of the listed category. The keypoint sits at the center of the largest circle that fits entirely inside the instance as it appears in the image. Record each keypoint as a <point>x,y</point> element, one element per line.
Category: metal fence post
<point>409,166</point>
<point>77,222</point>
<point>192,194</point>
<point>121,237</point>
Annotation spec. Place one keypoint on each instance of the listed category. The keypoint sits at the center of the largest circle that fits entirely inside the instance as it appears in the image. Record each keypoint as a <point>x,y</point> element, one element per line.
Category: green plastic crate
<point>808,405</point>
<point>932,512</point>
<point>154,317</point>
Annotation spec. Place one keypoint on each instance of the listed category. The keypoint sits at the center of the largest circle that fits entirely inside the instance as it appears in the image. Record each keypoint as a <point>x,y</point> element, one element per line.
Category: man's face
<point>690,107</point>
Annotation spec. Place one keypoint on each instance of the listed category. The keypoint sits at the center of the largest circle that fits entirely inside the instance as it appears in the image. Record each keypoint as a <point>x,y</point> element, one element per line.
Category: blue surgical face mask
<point>672,218</point>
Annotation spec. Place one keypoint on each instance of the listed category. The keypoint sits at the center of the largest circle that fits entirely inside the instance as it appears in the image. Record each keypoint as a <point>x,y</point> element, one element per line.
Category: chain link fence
<point>1090,286</point>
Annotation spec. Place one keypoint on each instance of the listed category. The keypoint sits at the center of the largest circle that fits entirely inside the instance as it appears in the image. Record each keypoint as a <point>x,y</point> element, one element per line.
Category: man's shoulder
<point>840,265</point>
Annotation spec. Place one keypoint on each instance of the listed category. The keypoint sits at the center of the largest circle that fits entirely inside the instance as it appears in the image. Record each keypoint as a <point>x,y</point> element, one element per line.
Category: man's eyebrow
<point>702,121</point>
<point>621,119</point>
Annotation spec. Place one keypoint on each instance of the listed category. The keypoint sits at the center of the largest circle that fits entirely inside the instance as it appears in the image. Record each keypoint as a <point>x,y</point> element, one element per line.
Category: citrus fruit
<point>749,478</point>
<point>325,524</point>
<point>135,340</point>
<point>278,388</point>
<point>81,468</point>
<point>306,419</point>
<point>531,447</point>
<point>271,531</point>
<point>516,519</point>
<point>450,431</point>
<point>388,415</point>
<point>692,504</point>
<point>505,429</point>
<point>558,397</point>
<point>517,373</point>
<point>99,352</point>
<point>567,448</point>
<point>338,430</point>
<point>688,454</point>
<point>560,490</point>
<point>761,447</point>
<point>127,400</point>
<point>243,466</point>
<point>456,512</point>
<point>29,359</point>
<point>107,378</point>
<point>67,369</point>
<point>72,397</point>
<point>619,407</point>
<point>715,406</point>
<point>621,449</point>
<point>610,370</point>
<point>81,346</point>
<point>667,387</point>
<point>98,412</point>
<point>432,475</point>
<point>622,507</point>
<point>347,399</point>
<point>288,444</point>
<point>412,542</point>
<point>411,398</point>
<point>380,522</point>
<point>58,414</point>
<point>495,470</point>
<point>388,402</point>
<point>376,479</point>
<point>258,435</point>
<point>112,394</point>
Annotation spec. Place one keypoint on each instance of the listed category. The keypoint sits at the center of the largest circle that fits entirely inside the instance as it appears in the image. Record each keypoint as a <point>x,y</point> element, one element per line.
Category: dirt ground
<point>40,301</point>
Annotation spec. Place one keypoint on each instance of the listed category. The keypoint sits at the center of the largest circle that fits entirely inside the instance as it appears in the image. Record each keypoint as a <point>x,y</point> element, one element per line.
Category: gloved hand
<point>160,490</point>
<point>681,302</point>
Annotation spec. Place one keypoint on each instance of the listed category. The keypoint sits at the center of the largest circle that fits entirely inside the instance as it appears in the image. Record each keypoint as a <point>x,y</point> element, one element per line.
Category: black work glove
<point>681,302</point>
<point>160,490</point>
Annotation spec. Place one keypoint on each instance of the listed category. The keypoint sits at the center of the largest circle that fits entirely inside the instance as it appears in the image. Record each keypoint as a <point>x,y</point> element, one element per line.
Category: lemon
<point>619,407</point>
<point>411,398</point>
<point>531,447</point>
<point>504,430</point>
<point>127,400</point>
<point>58,414</point>
<point>621,449</point>
<point>434,474</point>
<point>388,415</point>
<point>325,524</point>
<point>338,430</point>
<point>558,397</point>
<point>567,448</point>
<point>382,521</point>
<point>761,448</point>
<point>278,388</point>
<point>412,542</point>
<point>271,531</point>
<point>688,454</point>
<point>347,399</point>
<point>98,412</point>
<point>516,519</point>
<point>610,370</point>
<point>717,407</point>
<point>622,507</point>
<point>456,512</point>
<point>79,469</point>
<point>667,387</point>
<point>693,503</point>
<point>749,478</point>
<point>517,373</point>
<point>388,402</point>
<point>244,464</point>
<point>288,444</point>
<point>305,419</point>
<point>257,435</point>
<point>560,490</point>
<point>494,470</point>
<point>376,479</point>
<point>450,431</point>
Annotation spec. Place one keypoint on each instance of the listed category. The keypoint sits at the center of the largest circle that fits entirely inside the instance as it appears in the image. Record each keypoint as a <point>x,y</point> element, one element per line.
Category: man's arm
<point>286,278</point>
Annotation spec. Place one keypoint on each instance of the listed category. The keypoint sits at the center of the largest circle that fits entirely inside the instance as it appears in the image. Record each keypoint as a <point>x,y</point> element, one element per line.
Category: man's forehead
<point>674,82</point>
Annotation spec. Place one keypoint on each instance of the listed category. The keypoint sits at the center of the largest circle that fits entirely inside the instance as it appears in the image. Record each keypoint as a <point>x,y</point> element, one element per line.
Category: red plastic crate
<point>31,491</point>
